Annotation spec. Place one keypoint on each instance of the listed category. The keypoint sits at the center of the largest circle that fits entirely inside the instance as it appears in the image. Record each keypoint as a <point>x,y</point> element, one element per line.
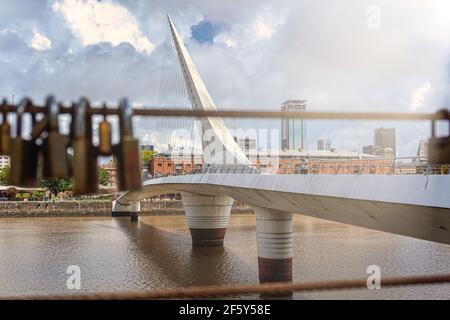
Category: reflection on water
<point>114,255</point>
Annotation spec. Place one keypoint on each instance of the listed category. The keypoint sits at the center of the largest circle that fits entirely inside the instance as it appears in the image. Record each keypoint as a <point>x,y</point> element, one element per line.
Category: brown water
<point>115,255</point>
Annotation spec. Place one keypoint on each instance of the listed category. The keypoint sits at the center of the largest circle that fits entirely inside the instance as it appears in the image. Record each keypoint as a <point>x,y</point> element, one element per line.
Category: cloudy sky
<point>378,55</point>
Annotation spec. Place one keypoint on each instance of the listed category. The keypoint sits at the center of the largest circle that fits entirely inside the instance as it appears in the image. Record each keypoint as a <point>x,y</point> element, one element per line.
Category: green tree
<point>56,186</point>
<point>104,177</point>
<point>146,156</point>
<point>4,176</point>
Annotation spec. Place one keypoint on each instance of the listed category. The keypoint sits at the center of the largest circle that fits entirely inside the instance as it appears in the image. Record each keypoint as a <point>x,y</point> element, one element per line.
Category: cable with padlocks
<point>152,111</point>
<point>46,153</point>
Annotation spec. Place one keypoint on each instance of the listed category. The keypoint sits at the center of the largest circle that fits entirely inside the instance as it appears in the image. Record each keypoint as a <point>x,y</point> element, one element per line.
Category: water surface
<point>115,255</point>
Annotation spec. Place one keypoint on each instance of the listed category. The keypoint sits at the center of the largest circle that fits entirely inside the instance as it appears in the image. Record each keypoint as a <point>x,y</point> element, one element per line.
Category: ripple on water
<point>114,254</point>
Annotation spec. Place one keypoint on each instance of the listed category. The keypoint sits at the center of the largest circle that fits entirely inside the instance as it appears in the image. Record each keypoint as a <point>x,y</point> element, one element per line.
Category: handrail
<point>325,115</point>
<point>348,166</point>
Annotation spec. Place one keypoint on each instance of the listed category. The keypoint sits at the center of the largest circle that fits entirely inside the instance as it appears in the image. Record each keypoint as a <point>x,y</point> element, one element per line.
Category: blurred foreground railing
<point>273,289</point>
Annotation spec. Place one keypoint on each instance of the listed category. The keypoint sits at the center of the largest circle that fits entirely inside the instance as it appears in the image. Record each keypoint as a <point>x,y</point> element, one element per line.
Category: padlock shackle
<point>3,110</point>
<point>82,128</point>
<point>104,111</point>
<point>125,118</point>
<point>21,110</point>
<point>433,128</point>
<point>52,111</point>
<point>444,114</point>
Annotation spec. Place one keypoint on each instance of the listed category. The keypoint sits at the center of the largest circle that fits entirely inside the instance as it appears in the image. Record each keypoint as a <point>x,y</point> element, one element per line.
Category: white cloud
<point>266,24</point>
<point>8,31</point>
<point>226,39</point>
<point>262,25</point>
<point>419,95</point>
<point>94,22</point>
<point>268,51</point>
<point>263,29</point>
<point>40,42</point>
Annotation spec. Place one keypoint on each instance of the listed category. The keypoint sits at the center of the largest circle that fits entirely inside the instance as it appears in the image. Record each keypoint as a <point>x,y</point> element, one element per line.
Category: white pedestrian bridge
<point>410,205</point>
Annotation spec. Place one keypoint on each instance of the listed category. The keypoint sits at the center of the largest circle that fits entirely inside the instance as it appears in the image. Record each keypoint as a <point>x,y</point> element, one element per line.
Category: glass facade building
<point>293,131</point>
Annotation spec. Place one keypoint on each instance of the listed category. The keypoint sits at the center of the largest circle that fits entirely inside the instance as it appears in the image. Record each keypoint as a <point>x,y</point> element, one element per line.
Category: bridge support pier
<point>274,242</point>
<point>126,210</point>
<point>207,217</point>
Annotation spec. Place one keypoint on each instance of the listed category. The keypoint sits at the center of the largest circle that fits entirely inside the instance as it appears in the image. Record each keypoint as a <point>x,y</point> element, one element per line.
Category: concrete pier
<point>207,217</point>
<point>126,210</point>
<point>274,241</point>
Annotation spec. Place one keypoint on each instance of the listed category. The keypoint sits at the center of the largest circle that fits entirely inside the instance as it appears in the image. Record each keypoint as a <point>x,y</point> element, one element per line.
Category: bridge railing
<point>385,166</point>
<point>230,168</point>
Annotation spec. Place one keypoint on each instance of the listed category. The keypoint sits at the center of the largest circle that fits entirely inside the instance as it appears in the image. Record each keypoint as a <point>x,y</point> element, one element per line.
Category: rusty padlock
<point>24,154</point>
<point>56,160</point>
<point>439,147</point>
<point>5,132</point>
<point>127,152</point>
<point>105,137</point>
<point>85,178</point>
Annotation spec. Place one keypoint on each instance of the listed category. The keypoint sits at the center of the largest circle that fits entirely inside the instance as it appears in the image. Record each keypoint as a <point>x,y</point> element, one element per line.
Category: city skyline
<point>196,150</point>
<point>53,49</point>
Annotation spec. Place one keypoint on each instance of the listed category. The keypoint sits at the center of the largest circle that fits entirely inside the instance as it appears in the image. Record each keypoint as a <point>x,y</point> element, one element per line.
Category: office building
<point>385,137</point>
<point>293,131</point>
<point>147,147</point>
<point>384,143</point>
<point>246,144</point>
<point>5,161</point>
<point>324,144</point>
<point>422,150</point>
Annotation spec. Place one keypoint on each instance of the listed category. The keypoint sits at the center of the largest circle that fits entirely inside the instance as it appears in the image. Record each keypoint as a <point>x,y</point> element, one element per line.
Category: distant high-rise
<point>246,144</point>
<point>324,144</point>
<point>293,131</point>
<point>5,161</point>
<point>384,144</point>
<point>147,147</point>
<point>385,137</point>
<point>422,151</point>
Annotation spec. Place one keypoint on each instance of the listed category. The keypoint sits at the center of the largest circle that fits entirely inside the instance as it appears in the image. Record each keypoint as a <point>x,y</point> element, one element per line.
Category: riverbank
<point>95,208</point>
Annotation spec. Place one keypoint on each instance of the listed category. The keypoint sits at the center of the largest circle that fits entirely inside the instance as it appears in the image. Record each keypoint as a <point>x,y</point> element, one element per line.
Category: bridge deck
<point>410,205</point>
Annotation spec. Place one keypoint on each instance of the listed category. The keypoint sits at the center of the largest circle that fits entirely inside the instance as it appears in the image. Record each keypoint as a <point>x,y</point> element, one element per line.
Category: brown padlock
<point>439,148</point>
<point>85,177</point>
<point>105,138</point>
<point>24,154</point>
<point>5,132</point>
<point>56,160</point>
<point>127,152</point>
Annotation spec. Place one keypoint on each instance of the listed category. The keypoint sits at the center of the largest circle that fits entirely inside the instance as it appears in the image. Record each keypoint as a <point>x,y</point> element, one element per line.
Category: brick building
<point>164,164</point>
<point>111,168</point>
<point>284,162</point>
